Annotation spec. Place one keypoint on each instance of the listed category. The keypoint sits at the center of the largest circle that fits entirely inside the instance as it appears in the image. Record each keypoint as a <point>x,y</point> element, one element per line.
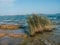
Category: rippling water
<point>21,20</point>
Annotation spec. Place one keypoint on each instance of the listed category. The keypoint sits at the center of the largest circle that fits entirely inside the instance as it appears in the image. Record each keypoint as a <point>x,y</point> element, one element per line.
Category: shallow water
<point>10,40</point>
<point>56,34</point>
<point>52,38</point>
<point>49,38</point>
<point>18,31</point>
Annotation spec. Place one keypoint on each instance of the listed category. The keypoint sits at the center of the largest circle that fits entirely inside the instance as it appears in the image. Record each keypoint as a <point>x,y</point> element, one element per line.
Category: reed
<point>31,25</point>
<point>39,24</point>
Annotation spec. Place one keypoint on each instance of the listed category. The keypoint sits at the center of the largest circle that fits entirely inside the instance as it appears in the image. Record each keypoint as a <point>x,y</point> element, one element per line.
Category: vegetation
<point>38,24</point>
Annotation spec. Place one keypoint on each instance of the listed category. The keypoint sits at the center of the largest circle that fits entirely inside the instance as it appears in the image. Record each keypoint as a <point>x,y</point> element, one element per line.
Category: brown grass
<point>39,24</point>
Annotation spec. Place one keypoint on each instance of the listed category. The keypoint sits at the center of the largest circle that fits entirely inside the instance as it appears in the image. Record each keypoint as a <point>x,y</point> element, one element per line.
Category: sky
<point>20,7</point>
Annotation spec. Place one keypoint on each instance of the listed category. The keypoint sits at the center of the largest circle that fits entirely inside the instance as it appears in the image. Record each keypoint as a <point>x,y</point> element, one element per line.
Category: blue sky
<point>14,7</point>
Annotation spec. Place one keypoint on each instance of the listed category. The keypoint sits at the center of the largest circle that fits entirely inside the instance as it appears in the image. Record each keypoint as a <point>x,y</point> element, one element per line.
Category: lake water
<point>21,20</point>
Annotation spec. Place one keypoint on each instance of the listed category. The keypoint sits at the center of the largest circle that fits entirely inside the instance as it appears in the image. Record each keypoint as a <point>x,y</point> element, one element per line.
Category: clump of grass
<point>38,24</point>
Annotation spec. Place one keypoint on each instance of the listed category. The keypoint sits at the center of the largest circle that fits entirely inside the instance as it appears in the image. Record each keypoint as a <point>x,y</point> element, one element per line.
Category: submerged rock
<point>2,35</point>
<point>24,36</point>
<point>7,26</point>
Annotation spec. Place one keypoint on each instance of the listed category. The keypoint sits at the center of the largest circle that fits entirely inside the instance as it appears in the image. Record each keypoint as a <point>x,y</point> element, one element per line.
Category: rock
<point>2,35</point>
<point>24,36</point>
<point>9,27</point>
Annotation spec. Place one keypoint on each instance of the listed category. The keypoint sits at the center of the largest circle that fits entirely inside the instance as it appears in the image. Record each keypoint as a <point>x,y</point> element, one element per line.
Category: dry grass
<point>39,24</point>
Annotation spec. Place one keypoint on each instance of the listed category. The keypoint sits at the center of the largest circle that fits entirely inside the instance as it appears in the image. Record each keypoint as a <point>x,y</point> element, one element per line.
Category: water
<point>21,20</point>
